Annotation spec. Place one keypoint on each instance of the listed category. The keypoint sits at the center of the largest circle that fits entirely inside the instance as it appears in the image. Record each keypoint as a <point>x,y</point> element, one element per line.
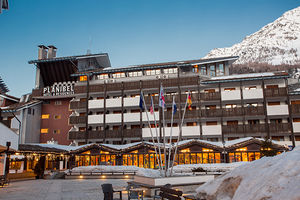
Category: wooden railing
<point>256,128</point>
<point>74,105</point>
<point>295,108</point>
<point>275,92</point>
<point>127,133</point>
<point>77,119</point>
<point>210,96</point>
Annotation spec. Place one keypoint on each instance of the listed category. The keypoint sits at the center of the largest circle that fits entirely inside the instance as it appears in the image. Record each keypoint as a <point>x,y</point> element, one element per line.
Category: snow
<point>208,167</point>
<point>268,178</point>
<point>103,168</point>
<point>276,43</point>
<point>121,147</point>
<point>240,76</point>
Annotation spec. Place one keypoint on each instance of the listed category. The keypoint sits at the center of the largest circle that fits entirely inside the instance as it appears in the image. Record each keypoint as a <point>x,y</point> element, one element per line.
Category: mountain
<point>276,43</point>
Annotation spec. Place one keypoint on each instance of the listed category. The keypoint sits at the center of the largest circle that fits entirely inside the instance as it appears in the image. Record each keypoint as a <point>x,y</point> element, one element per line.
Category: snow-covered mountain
<point>276,43</point>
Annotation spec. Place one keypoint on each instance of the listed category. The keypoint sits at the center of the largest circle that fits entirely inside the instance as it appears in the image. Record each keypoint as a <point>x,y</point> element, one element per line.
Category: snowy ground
<point>89,189</point>
<point>273,178</point>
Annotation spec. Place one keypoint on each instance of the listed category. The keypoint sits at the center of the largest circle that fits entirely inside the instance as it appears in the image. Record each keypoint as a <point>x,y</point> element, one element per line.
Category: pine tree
<point>267,148</point>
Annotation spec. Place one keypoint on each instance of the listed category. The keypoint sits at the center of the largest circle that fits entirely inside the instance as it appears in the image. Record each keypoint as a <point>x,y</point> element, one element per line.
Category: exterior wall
<point>212,130</point>
<point>278,110</point>
<point>7,135</point>
<point>52,124</point>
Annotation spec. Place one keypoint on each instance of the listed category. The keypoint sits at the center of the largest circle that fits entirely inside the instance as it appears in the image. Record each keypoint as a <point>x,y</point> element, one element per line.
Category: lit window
<point>152,72</point>
<point>195,69</point>
<point>170,71</point>
<point>135,74</point>
<point>185,150</point>
<point>44,130</point>
<point>296,120</point>
<point>118,75</point>
<point>102,76</point>
<point>251,104</point>
<point>83,78</point>
<point>57,103</point>
<point>230,106</point>
<point>228,89</point>
<point>206,150</point>
<point>56,131</point>
<point>250,88</point>
<point>212,123</point>
<point>242,149</point>
<point>57,116</point>
<point>276,103</point>
<point>45,116</point>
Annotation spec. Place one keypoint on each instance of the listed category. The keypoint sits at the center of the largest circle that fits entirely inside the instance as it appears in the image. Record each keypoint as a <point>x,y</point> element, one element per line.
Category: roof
<point>12,98</point>
<point>250,76</point>
<point>28,102</point>
<point>66,58</point>
<point>157,65</point>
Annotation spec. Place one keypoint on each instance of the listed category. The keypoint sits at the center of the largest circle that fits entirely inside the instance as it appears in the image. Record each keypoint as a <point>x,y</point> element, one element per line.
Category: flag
<point>174,107</point>
<point>189,101</point>
<point>151,107</point>
<point>141,101</point>
<point>162,98</point>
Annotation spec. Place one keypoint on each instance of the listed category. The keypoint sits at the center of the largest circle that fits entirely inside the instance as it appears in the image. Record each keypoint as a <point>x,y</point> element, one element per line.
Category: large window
<point>221,70</point>
<point>170,71</point>
<point>102,76</point>
<point>135,74</point>
<point>152,72</point>
<point>44,130</point>
<point>212,69</point>
<point>118,75</point>
<point>203,70</point>
<point>45,116</point>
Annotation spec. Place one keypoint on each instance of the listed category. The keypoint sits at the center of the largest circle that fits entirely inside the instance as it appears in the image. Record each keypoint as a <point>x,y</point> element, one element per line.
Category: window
<point>232,123</point>
<point>211,107</point>
<point>102,76</point>
<point>203,70</point>
<point>278,138</point>
<point>170,71</point>
<point>212,69</point>
<point>57,103</point>
<point>272,86</point>
<point>275,121</point>
<point>117,112</point>
<point>152,72</point>
<point>251,104</point>
<point>212,123</point>
<point>228,89</point>
<point>116,127</point>
<point>135,126</point>
<point>83,78</point>
<point>82,129</point>
<point>44,130</point>
<point>295,102</point>
<point>276,103</point>
<point>253,121</point>
<point>191,124</point>
<point>250,88</point>
<point>195,69</point>
<point>135,74</point>
<point>45,116</point>
<point>118,75</point>
<point>57,116</point>
<point>135,111</point>
<point>29,111</point>
<point>210,91</point>
<point>56,131</point>
<point>174,124</point>
<point>230,106</point>
<point>221,70</point>
<point>296,120</point>
<point>32,111</point>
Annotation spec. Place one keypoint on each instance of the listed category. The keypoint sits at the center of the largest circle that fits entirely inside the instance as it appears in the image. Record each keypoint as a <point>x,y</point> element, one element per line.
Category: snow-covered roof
<point>251,76</point>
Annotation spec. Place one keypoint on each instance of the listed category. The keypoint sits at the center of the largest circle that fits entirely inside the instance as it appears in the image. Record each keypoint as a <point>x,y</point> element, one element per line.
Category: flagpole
<point>151,130</point>
<point>169,159</point>
<point>156,132</point>
<point>180,132</point>
<point>164,135</point>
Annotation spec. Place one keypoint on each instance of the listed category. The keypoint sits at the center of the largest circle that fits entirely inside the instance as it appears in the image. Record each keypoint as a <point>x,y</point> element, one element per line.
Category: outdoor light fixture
<point>80,176</point>
<point>103,176</point>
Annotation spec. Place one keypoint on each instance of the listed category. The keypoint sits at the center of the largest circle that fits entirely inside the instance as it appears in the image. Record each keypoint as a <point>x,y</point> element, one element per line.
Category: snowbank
<point>268,178</point>
<point>103,168</point>
<point>208,167</point>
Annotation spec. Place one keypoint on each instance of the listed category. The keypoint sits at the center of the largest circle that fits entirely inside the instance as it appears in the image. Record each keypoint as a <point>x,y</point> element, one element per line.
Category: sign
<point>59,89</point>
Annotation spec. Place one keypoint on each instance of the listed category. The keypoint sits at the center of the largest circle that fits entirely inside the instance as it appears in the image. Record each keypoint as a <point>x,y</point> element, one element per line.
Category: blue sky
<point>131,32</point>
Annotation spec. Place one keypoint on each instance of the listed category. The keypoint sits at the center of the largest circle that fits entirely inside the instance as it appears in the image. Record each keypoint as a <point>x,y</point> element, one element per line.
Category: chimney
<point>42,52</point>
<point>52,51</point>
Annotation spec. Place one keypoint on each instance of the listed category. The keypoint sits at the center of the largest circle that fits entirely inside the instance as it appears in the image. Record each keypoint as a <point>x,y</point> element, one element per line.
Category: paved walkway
<point>58,189</point>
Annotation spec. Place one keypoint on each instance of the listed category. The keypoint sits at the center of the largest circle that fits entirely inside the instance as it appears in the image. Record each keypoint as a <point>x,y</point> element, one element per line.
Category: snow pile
<point>104,168</point>
<point>276,43</point>
<point>208,167</point>
<point>268,178</point>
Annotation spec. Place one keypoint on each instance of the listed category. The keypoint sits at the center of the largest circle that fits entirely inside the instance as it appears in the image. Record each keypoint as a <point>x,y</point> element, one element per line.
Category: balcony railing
<point>74,105</point>
<point>227,112</point>
<point>279,128</point>
<point>256,128</point>
<point>275,92</point>
<point>232,129</point>
<point>77,120</point>
<point>259,110</point>
<point>210,96</point>
<point>211,113</point>
<point>295,108</point>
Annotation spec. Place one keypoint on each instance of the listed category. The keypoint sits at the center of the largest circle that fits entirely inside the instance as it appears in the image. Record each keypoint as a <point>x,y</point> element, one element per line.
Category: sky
<point>132,32</point>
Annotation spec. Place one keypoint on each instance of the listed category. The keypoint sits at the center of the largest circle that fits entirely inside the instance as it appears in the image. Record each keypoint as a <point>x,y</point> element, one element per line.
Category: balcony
<point>259,110</point>
<point>228,112</point>
<point>255,128</point>
<point>132,85</point>
<point>211,113</point>
<point>295,108</point>
<point>278,110</point>
<point>113,87</point>
<point>211,96</point>
<point>240,129</point>
<point>279,128</point>
<point>232,129</point>
<point>275,92</point>
<point>77,120</point>
<point>212,130</point>
<point>231,95</point>
<point>75,105</point>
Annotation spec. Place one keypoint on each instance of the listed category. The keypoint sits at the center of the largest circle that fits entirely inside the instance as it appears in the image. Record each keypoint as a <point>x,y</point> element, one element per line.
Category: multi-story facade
<point>224,107</point>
